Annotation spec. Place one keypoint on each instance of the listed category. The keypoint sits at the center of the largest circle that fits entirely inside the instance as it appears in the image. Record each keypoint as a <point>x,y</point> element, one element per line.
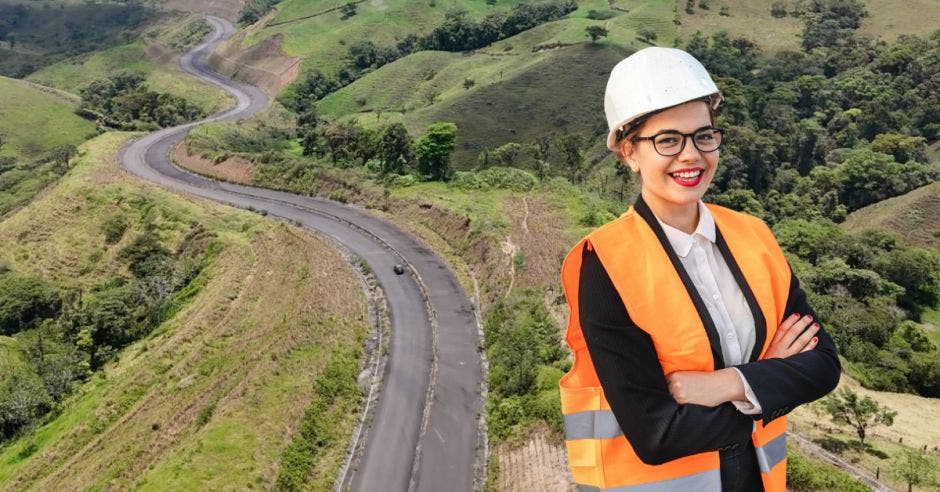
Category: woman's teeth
<point>687,174</point>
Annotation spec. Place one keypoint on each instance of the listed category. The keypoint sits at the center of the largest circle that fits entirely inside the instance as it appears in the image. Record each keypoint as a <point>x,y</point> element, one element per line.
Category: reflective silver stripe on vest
<point>707,481</point>
<point>592,424</point>
<point>772,453</point>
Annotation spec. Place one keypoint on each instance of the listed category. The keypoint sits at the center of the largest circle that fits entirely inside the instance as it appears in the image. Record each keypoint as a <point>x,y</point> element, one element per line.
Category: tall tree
<point>433,150</point>
<point>569,146</point>
<point>395,148</point>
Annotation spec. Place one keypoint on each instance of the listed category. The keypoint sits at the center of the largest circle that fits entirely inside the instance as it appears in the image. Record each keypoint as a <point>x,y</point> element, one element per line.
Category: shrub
<point>24,301</point>
<point>113,228</point>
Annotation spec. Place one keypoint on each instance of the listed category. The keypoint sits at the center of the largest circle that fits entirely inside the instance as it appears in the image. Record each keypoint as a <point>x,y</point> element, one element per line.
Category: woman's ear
<point>626,155</point>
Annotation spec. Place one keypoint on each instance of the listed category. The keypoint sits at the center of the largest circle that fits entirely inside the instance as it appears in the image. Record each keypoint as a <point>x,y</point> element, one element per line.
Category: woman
<point>691,336</point>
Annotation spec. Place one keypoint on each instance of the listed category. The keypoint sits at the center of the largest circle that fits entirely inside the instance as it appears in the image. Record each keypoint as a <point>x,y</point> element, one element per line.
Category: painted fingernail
<point>796,315</point>
<point>809,317</point>
<point>815,339</point>
<point>816,326</point>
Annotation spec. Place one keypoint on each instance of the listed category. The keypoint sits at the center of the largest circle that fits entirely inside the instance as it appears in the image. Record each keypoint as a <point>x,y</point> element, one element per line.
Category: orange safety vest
<point>600,456</point>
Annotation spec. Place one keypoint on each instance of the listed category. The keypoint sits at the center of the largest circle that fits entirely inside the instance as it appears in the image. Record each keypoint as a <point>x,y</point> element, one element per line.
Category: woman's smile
<point>688,177</point>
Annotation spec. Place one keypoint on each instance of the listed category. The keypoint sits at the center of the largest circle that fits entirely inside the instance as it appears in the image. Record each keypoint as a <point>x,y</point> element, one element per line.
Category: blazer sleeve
<point>658,428</point>
<point>780,385</point>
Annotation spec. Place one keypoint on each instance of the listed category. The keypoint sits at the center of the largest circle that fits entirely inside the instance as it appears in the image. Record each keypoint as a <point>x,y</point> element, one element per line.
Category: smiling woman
<point>689,346</point>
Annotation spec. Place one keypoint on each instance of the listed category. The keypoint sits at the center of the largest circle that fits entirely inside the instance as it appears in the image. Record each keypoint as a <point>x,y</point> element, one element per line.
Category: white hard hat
<point>652,79</point>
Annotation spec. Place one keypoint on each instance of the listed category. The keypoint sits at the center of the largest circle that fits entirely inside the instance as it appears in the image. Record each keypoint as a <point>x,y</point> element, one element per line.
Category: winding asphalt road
<point>425,431</point>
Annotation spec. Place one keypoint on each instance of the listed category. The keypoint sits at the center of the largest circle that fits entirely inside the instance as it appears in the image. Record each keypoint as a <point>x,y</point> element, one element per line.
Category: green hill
<point>26,108</point>
<point>37,33</point>
<point>37,126</point>
<point>510,78</point>
<point>215,394</point>
<point>887,20</point>
<point>507,102</point>
<point>155,56</point>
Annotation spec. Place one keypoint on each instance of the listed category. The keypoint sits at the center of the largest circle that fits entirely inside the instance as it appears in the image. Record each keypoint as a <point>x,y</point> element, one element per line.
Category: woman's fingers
<point>785,326</point>
<point>805,338</point>
<point>797,329</point>
<point>793,336</point>
<point>811,345</point>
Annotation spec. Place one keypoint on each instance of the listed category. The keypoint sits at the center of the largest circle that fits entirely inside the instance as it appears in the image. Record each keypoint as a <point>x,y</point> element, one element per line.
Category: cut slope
<point>216,393</point>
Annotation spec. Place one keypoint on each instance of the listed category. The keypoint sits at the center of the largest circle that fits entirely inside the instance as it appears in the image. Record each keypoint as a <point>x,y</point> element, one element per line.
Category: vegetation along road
<point>425,431</point>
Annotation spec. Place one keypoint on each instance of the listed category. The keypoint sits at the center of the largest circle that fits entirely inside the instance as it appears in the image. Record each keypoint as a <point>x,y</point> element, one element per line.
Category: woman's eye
<point>667,141</point>
<point>705,137</point>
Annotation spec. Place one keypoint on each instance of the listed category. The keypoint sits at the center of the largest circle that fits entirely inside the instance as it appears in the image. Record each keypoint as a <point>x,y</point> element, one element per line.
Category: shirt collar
<point>682,242</point>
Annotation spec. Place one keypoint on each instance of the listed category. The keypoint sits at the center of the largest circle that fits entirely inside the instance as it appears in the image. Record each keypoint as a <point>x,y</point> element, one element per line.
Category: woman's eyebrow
<point>673,130</point>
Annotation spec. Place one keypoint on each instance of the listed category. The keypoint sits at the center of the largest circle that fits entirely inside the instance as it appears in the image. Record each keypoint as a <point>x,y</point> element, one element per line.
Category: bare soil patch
<point>539,463</point>
<point>264,64</point>
<point>234,169</point>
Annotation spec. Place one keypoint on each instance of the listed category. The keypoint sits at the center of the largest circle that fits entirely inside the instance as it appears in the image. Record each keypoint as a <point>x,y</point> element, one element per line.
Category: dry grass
<point>912,216</point>
<point>751,19</point>
<point>539,463</point>
<point>913,428</point>
<point>213,396</point>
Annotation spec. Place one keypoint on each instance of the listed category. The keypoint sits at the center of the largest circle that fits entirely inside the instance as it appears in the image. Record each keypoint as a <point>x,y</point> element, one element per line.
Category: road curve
<point>424,434</point>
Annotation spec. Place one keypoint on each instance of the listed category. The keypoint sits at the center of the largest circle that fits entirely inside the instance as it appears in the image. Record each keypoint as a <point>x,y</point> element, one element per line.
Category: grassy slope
<point>886,20</point>
<point>26,108</point>
<point>162,74</point>
<point>216,392</point>
<point>322,39</point>
<point>912,425</point>
<point>912,216</point>
<point>512,76</point>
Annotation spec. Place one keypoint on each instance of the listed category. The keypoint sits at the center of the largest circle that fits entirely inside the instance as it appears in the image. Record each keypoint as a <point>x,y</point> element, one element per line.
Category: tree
<point>845,407</point>
<point>569,145</point>
<point>902,147</point>
<point>597,32</point>
<point>433,150</point>
<point>507,153</point>
<point>915,269</point>
<point>914,468</point>
<point>395,148</point>
<point>24,301</point>
<point>348,10</point>
<point>539,151</point>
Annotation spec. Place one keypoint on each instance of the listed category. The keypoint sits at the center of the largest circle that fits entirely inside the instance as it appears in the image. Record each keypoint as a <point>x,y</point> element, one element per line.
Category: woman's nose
<point>689,152</point>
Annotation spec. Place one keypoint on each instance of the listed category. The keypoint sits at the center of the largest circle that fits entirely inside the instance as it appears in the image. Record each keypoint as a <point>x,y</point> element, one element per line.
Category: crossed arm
<point>690,412</point>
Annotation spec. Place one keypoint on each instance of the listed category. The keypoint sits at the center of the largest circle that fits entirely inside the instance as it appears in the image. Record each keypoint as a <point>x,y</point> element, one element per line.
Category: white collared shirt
<point>721,294</point>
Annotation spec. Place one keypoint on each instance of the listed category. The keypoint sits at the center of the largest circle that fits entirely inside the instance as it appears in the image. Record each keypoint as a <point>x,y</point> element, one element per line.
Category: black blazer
<point>658,428</point>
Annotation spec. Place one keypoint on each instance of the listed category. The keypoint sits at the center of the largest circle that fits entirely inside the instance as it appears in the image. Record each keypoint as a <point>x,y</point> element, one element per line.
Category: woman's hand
<point>793,337</point>
<point>706,388</point>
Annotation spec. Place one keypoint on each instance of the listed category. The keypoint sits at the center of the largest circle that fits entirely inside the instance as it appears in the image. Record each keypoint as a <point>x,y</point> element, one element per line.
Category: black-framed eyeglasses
<point>668,143</point>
